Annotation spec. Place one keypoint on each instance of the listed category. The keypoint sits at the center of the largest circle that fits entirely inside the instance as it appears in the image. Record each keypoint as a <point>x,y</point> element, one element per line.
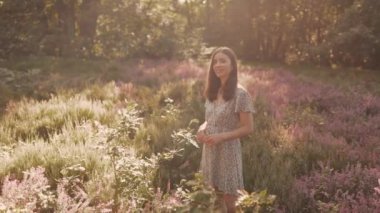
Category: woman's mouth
<point>218,72</point>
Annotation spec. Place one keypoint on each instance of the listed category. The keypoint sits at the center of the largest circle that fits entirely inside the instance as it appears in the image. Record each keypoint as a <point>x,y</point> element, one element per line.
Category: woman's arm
<point>245,128</point>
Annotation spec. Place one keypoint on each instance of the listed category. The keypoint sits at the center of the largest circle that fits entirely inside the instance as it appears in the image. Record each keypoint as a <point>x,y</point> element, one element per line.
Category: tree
<point>22,25</point>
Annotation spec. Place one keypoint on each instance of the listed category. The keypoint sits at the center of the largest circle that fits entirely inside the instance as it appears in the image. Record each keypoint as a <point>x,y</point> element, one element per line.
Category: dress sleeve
<point>244,102</point>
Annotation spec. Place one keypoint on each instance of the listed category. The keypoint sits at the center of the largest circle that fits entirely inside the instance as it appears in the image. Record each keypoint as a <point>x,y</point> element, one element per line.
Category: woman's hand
<point>201,134</point>
<point>214,139</point>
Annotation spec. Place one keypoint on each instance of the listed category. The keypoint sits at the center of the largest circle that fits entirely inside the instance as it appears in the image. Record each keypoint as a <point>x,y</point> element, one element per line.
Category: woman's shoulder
<point>240,90</point>
<point>243,101</point>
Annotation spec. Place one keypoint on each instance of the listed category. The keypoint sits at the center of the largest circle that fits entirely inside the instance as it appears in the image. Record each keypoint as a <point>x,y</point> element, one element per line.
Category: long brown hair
<point>214,83</point>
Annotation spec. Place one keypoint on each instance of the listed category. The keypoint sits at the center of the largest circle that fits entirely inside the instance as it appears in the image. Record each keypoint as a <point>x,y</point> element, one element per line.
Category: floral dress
<point>221,164</point>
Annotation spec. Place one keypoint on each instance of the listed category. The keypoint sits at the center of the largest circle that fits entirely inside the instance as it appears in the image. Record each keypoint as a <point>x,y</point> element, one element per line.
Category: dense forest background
<point>324,32</point>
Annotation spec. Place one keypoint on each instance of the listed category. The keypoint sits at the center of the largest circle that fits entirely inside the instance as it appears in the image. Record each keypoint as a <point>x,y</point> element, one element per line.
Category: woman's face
<point>222,65</point>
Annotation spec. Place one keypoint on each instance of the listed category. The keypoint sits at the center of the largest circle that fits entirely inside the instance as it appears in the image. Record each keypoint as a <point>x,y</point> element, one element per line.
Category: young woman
<point>228,117</point>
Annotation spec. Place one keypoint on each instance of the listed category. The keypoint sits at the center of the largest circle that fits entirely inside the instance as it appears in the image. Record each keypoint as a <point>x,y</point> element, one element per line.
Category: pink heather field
<point>96,136</point>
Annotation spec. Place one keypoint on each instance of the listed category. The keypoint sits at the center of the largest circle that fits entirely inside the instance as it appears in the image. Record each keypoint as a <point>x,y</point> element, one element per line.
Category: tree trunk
<point>87,23</point>
<point>66,19</point>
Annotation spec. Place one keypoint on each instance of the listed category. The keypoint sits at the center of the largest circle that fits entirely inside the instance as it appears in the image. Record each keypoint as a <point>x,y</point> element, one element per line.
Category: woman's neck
<point>219,96</point>
<point>223,82</point>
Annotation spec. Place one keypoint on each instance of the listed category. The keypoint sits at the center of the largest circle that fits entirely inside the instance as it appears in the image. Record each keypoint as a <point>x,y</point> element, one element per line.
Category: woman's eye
<point>219,61</point>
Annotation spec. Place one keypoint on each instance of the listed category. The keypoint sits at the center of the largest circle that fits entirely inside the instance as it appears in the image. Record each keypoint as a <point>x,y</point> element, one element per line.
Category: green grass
<point>53,64</point>
<point>41,119</point>
<point>53,157</point>
<point>344,78</point>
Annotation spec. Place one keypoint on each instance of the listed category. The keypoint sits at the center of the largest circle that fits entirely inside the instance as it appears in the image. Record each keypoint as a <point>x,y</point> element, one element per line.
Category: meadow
<point>118,136</point>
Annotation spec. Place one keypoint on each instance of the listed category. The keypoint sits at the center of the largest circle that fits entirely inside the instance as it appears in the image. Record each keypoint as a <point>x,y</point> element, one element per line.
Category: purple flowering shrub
<point>30,194</point>
<point>303,122</point>
<point>354,189</point>
<point>34,194</point>
<point>321,113</point>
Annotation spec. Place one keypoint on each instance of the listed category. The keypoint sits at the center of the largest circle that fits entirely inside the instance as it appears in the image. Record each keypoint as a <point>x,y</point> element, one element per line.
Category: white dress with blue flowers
<point>221,164</point>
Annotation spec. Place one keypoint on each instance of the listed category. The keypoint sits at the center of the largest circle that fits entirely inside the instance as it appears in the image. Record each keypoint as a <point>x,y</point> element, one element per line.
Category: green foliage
<point>162,112</point>
<point>355,39</point>
<point>180,160</point>
<point>133,178</point>
<point>6,136</point>
<point>297,31</point>
<point>89,28</point>
<point>200,197</point>
<point>126,128</point>
<point>191,195</point>
<point>22,27</point>
<point>150,29</point>
<point>106,93</point>
<point>128,125</point>
<point>266,165</point>
<point>6,95</point>
<point>41,119</point>
<point>54,157</point>
<point>159,137</point>
<point>255,202</point>
<point>184,136</point>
